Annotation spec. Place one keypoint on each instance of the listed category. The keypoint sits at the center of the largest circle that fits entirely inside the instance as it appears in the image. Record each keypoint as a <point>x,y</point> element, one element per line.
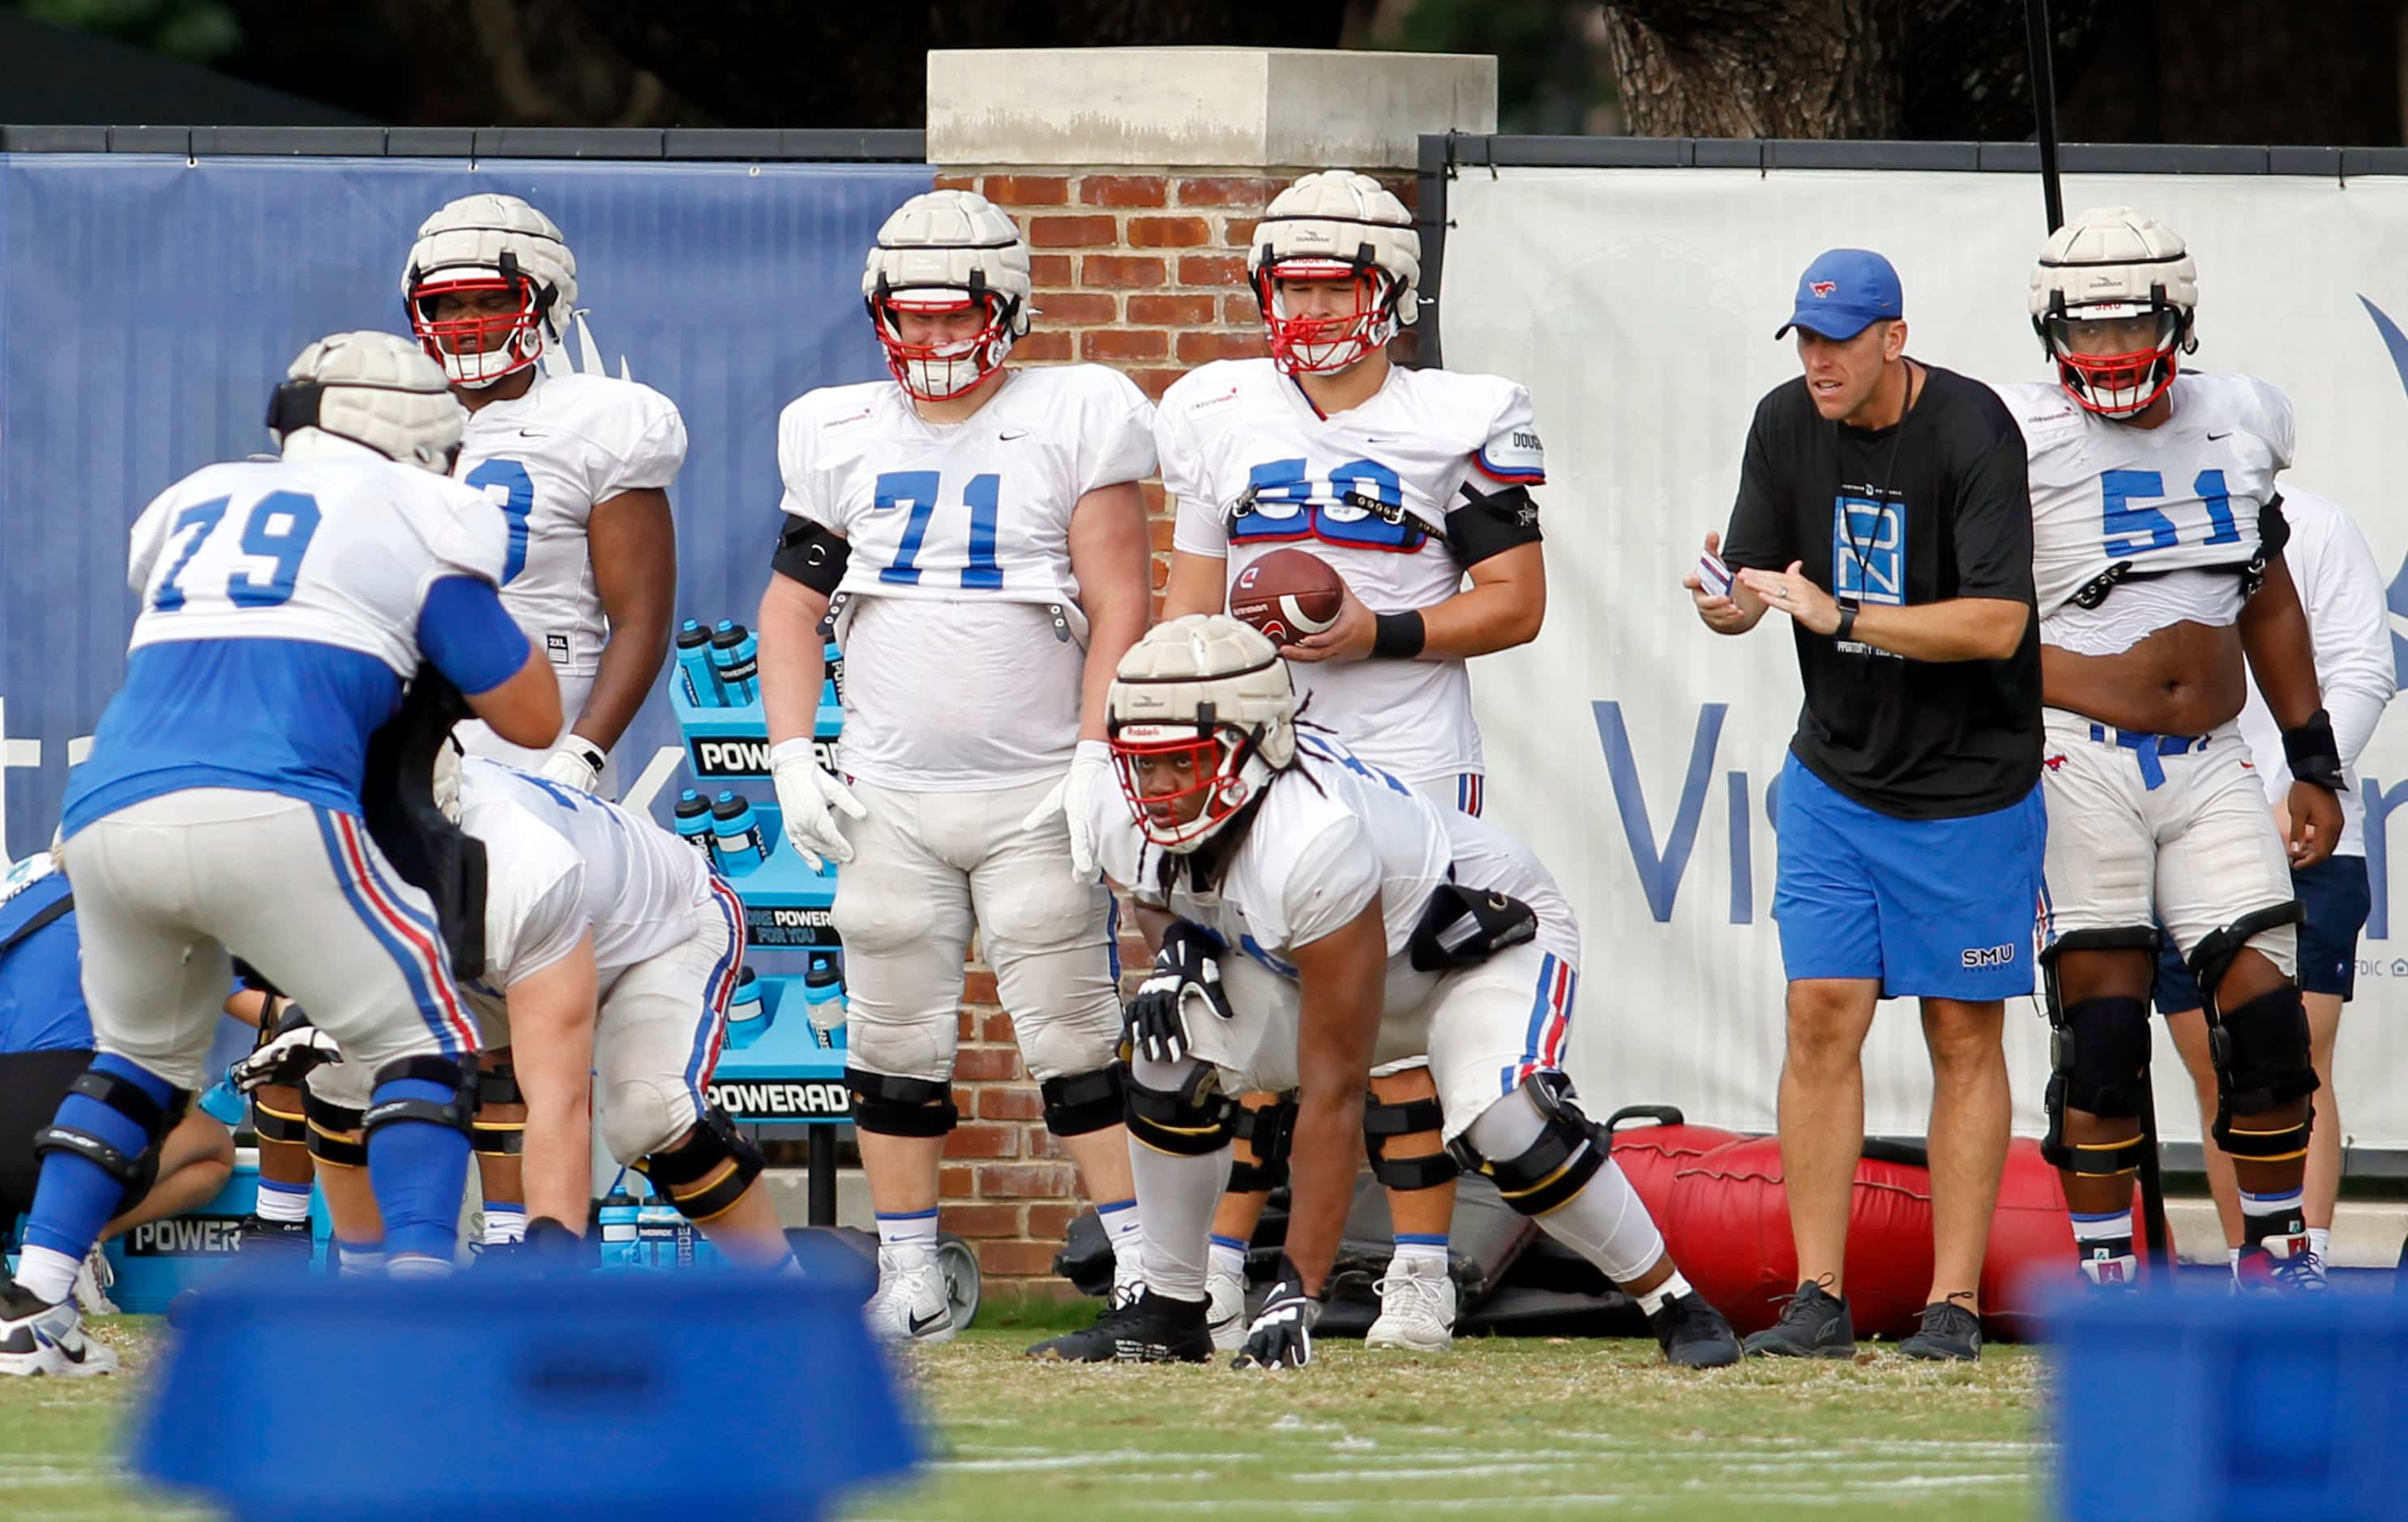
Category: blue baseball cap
<point>1844,291</point>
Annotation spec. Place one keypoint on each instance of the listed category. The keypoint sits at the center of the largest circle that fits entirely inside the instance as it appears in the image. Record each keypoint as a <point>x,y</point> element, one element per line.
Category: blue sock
<point>77,1196</point>
<point>418,1171</point>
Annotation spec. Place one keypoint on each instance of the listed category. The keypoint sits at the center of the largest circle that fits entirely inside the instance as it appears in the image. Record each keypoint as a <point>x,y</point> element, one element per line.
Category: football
<point>1287,593</point>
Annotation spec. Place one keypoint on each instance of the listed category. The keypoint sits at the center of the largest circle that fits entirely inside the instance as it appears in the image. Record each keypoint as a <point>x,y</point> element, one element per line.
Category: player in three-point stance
<point>611,951</point>
<point>974,535</point>
<point>580,465</point>
<point>2158,538</point>
<point>300,593</point>
<point>1317,917</point>
<point>1406,481</point>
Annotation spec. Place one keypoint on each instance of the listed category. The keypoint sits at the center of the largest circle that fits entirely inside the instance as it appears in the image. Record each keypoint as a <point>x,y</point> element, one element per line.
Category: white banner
<point>1633,748</point>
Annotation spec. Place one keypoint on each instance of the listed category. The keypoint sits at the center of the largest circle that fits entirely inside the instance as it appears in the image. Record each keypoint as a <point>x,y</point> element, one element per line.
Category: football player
<point>2158,538</point>
<point>298,592</point>
<point>1414,485</point>
<point>973,534</point>
<point>2341,588</point>
<point>580,465</point>
<point>610,953</point>
<point>1315,916</point>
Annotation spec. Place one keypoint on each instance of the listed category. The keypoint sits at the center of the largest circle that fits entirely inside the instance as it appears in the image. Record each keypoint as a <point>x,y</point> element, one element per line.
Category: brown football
<point>1287,594</point>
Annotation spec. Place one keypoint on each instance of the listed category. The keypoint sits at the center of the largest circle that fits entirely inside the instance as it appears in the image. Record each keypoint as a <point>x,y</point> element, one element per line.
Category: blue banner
<point>148,305</point>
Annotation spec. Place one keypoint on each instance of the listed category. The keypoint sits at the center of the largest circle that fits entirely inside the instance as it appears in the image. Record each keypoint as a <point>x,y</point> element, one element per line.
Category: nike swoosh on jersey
<point>2225,434</point>
<point>532,433</point>
<point>1009,434</point>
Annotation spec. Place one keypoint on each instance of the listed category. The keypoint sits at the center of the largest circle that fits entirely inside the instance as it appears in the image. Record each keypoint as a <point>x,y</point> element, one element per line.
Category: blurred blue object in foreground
<point>2205,1407</point>
<point>505,1394</point>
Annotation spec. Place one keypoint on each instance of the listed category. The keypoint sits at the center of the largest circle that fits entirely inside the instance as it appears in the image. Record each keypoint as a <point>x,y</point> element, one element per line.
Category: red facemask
<point>1164,817</point>
<point>1320,345</point>
<point>2117,385</point>
<point>934,371</point>
<point>479,350</point>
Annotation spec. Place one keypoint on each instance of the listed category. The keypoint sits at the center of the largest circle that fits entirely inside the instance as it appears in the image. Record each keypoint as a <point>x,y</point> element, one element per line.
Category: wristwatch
<point>1847,629</point>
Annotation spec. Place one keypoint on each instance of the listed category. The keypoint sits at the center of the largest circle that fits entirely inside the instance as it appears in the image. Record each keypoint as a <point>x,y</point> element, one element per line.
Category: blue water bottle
<point>737,831</point>
<point>694,665</point>
<point>823,996</point>
<point>747,1016</point>
<point>664,1237</point>
<point>693,821</point>
<point>617,1219</point>
<point>225,1103</point>
<point>733,656</point>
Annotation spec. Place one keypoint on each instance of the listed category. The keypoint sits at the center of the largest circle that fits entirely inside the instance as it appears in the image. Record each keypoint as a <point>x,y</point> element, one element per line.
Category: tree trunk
<point>1757,68</point>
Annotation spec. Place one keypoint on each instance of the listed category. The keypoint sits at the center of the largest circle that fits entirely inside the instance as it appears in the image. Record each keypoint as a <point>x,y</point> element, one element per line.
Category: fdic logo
<point>748,758</point>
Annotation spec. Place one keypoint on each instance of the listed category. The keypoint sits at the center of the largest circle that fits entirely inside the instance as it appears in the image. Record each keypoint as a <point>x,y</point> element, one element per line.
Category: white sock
<point>46,1273</point>
<point>282,1202</point>
<point>504,1222</point>
<point>2320,1242</point>
<point>1421,1257</point>
<point>353,1262</point>
<point>1227,1256</point>
<point>1177,1194</point>
<point>910,1235</point>
<point>417,1266</point>
<point>1606,1223</point>
<point>1123,1229</point>
<point>1670,1289</point>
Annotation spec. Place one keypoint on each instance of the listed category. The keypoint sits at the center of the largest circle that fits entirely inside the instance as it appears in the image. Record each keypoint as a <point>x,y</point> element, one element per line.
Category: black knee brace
<point>1195,1120</point>
<point>885,1105</point>
<point>2098,1057</point>
<point>499,1086</point>
<point>2212,959</point>
<point>1272,1130</point>
<point>459,1112</point>
<point>2260,1051</point>
<point>332,1128</point>
<point>1412,1117</point>
<point>1569,1151</point>
<point>497,1137</point>
<point>277,1125</point>
<point>1079,1103</point>
<point>127,1097</point>
<point>706,1177</point>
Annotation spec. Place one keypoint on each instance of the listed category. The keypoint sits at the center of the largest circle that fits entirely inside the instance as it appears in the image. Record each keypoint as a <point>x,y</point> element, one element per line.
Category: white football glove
<point>577,763</point>
<point>291,1048</point>
<point>806,791</point>
<point>1074,798</point>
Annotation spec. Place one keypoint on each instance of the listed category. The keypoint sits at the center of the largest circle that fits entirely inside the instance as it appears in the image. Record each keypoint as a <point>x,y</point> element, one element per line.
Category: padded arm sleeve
<point>465,630</point>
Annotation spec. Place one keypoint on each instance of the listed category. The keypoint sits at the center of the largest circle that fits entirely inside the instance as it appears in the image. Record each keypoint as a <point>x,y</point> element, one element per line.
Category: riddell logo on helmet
<point>1824,287</point>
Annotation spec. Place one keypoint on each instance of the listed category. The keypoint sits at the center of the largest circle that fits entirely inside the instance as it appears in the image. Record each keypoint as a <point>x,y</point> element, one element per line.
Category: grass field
<point>1531,1426</point>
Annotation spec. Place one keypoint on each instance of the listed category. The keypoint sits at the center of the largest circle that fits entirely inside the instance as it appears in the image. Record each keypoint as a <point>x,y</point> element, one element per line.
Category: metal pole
<point>2044,76</point>
<point>819,1199</point>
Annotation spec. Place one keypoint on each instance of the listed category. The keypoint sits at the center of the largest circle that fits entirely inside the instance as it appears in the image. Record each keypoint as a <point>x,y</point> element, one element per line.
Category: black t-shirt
<point>1935,507</point>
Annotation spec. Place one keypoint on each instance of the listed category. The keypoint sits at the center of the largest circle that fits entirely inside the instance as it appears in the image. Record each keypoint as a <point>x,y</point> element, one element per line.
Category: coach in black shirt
<point>1882,506</point>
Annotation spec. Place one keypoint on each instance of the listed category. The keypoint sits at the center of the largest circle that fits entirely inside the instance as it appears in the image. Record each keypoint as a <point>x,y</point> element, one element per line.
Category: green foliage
<point>1551,71</point>
<point>198,31</point>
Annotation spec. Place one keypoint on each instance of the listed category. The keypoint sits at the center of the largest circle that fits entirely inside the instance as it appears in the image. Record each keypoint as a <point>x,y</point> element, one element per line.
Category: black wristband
<point>1847,629</point>
<point>2313,754</point>
<point>1398,636</point>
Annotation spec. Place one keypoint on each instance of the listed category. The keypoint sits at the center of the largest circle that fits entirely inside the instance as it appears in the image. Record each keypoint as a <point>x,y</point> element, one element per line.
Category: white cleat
<point>910,1305</point>
<point>37,1337</point>
<point>1417,1309</point>
<point>92,1283</point>
<point>1225,1311</point>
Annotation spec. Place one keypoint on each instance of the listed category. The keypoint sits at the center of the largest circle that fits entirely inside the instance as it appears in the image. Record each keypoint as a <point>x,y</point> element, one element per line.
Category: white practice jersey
<point>1255,468</point>
<point>2342,590</point>
<point>545,459</point>
<point>561,863</point>
<point>2181,497</point>
<point>336,547</point>
<point>962,633</point>
<point>1332,831</point>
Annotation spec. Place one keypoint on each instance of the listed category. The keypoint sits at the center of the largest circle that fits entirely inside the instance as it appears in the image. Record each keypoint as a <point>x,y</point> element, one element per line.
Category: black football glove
<point>287,1050</point>
<point>1281,1334</point>
<point>1186,971</point>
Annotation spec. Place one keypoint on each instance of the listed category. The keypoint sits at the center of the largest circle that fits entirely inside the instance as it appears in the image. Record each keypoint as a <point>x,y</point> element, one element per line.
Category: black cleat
<point>1152,1329</point>
<point>1949,1331</point>
<point>282,1242</point>
<point>1694,1334</point>
<point>1812,1326</point>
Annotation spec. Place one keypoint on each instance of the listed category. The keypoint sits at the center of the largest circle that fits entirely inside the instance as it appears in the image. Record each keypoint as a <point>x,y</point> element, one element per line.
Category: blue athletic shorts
<point>2335,894</point>
<point>1933,908</point>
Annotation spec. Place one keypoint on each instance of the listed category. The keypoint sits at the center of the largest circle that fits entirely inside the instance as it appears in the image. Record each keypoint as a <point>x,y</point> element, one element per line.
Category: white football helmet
<point>948,251</point>
<point>488,242</point>
<point>2116,264</point>
<point>376,389</point>
<point>1201,715</point>
<point>1336,225</point>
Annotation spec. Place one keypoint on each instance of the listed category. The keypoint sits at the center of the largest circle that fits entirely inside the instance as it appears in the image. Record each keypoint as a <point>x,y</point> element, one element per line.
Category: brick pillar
<point>1137,175</point>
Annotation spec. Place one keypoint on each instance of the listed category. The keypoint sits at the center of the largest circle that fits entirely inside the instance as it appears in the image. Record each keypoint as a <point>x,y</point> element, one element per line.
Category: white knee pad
<point>903,1048</point>
<point>642,1115</point>
<point>344,1083</point>
<point>1604,1220</point>
<point>1055,1041</point>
